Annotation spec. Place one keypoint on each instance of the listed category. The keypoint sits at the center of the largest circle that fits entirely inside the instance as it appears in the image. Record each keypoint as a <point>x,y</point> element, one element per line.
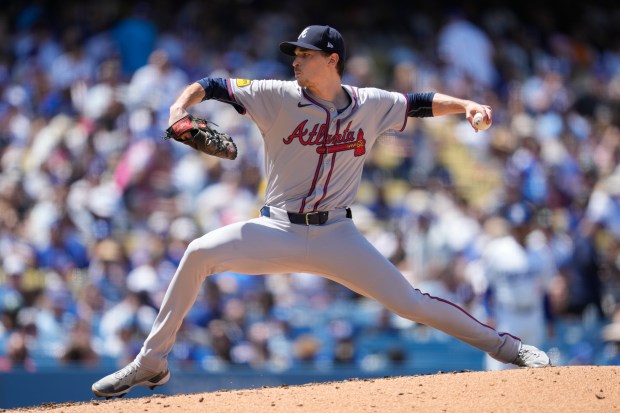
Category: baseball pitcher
<point>317,134</point>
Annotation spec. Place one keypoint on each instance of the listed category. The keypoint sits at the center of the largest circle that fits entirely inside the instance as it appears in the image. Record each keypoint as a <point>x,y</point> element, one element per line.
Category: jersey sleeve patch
<point>243,82</point>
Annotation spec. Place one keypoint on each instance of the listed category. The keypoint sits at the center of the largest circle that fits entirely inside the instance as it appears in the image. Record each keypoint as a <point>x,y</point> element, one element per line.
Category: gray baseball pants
<point>336,251</point>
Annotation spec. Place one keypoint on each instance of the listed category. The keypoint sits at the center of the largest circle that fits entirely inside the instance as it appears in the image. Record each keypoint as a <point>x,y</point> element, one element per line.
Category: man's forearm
<point>191,95</point>
<point>449,105</point>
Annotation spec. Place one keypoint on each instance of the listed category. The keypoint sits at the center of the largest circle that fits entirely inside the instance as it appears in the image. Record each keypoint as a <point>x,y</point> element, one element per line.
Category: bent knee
<point>199,254</point>
<point>195,249</point>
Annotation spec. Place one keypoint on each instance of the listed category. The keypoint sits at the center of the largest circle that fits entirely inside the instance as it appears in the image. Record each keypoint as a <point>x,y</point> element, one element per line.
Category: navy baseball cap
<point>323,38</point>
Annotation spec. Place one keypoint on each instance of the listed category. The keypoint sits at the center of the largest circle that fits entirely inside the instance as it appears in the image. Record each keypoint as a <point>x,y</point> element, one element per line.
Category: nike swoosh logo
<point>299,105</point>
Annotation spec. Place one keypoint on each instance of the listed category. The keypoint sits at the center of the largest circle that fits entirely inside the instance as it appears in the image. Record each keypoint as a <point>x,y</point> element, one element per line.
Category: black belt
<point>310,218</point>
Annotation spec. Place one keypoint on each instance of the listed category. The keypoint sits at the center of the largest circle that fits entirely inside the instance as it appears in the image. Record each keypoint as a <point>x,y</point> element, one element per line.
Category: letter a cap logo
<point>323,38</point>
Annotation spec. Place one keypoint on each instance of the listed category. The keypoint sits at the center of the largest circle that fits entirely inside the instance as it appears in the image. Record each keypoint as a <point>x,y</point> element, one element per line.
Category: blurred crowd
<point>519,225</point>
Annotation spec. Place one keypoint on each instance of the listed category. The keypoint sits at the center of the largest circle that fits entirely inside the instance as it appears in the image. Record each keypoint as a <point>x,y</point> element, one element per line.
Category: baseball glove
<point>202,137</point>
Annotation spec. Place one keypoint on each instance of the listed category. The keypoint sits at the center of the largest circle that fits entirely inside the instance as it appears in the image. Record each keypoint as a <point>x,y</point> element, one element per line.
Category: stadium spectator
<point>519,268</point>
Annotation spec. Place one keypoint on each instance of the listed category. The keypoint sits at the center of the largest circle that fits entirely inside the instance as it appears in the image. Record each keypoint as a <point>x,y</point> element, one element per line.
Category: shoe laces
<point>526,353</point>
<point>126,371</point>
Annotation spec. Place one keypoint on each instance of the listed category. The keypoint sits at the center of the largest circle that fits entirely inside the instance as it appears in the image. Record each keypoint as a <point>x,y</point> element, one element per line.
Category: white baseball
<point>480,123</point>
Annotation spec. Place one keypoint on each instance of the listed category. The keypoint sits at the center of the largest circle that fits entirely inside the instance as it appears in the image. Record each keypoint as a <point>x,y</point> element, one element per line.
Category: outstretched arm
<point>449,105</point>
<point>426,104</point>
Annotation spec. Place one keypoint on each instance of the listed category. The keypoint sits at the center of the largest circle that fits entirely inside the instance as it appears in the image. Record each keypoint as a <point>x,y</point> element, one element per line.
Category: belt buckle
<point>308,214</point>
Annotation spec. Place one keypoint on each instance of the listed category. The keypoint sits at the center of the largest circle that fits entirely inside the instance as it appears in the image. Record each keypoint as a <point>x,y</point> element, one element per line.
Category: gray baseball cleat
<point>119,383</point>
<point>530,356</point>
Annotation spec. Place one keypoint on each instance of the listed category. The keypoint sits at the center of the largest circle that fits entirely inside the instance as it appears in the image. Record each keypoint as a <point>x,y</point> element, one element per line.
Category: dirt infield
<point>554,389</point>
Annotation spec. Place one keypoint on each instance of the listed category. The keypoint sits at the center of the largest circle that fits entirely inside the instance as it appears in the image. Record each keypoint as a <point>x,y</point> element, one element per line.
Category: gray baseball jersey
<point>313,160</point>
<point>314,155</point>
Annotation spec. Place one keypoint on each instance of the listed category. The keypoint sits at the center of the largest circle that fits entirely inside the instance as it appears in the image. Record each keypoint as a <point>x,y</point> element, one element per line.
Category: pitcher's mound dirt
<point>576,389</point>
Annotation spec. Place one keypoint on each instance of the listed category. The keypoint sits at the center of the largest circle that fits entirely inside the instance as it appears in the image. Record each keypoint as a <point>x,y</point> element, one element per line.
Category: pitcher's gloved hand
<point>197,133</point>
